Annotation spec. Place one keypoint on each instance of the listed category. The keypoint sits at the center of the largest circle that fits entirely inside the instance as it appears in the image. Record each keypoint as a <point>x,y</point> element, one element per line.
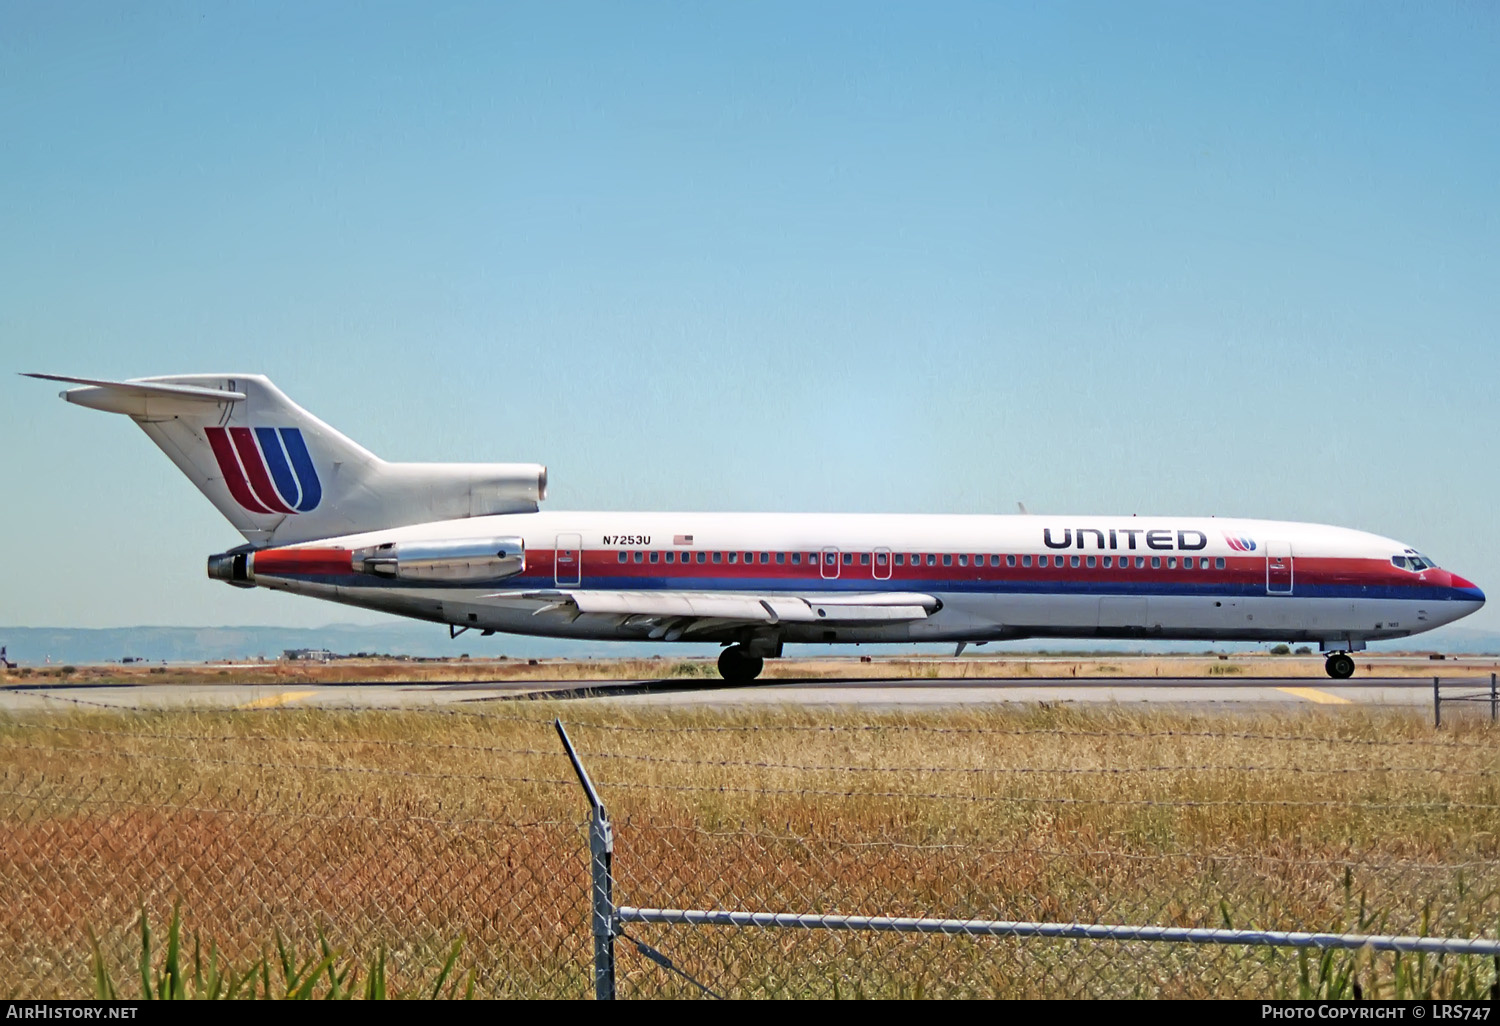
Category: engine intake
<point>464,559</point>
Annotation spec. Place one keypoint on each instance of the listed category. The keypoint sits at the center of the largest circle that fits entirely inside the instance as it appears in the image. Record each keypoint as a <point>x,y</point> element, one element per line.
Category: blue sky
<point>1148,257</point>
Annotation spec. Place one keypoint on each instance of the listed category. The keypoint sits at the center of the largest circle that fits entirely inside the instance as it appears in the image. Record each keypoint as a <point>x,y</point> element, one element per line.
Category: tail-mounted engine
<point>464,559</point>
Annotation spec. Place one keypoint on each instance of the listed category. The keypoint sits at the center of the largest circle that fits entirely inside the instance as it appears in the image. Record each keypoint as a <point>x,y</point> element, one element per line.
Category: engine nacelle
<point>462,559</point>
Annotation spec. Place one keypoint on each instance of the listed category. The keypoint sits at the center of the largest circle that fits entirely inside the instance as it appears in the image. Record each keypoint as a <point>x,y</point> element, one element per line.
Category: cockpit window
<point>1413,561</point>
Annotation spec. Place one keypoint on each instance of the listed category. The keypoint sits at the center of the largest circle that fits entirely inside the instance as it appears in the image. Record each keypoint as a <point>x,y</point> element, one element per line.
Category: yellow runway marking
<point>273,700</point>
<point>1314,695</point>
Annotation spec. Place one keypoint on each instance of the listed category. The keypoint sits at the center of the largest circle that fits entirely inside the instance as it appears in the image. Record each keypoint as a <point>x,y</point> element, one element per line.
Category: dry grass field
<point>414,829</point>
<point>970,666</point>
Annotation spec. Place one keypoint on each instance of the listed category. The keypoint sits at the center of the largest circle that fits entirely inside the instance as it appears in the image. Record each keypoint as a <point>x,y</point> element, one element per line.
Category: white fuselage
<point>984,577</point>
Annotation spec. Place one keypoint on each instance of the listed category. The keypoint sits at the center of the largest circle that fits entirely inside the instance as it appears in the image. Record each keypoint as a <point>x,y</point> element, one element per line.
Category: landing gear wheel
<point>738,666</point>
<point>1339,666</point>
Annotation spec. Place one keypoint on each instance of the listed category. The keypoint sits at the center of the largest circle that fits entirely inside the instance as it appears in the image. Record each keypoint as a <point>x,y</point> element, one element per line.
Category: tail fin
<point>281,475</point>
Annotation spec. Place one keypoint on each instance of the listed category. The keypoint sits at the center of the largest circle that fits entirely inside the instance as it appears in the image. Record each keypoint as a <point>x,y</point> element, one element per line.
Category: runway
<point>875,694</point>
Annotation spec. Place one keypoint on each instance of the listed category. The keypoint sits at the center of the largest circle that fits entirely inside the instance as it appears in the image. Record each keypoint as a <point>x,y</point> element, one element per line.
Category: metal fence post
<point>1494,700</point>
<point>1437,705</point>
<point>601,859</point>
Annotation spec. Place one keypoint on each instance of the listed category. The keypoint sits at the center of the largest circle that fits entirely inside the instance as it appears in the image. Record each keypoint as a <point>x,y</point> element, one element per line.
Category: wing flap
<point>743,608</point>
<point>671,603</point>
<point>865,614</point>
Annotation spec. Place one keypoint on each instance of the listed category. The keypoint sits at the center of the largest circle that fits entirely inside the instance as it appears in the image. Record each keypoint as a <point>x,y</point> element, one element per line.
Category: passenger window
<point>1090,562</point>
<point>734,557</point>
<point>1108,561</point>
<point>781,557</point>
<point>640,557</point>
<point>655,556</point>
<point>1041,561</point>
<point>1073,561</point>
<point>671,557</point>
<point>623,557</point>
<point>1187,562</point>
<point>1010,560</point>
<point>702,557</point>
<point>1171,562</point>
<point>947,559</point>
<point>864,559</point>
<point>831,558</point>
<point>1156,562</point>
<point>994,559</point>
<point>718,557</point>
<point>1025,560</point>
<point>900,559</point>
<point>931,559</point>
<point>1218,562</point>
<point>963,560</point>
<point>1140,562</point>
<point>796,559</point>
<point>749,557</point>
<point>880,559</point>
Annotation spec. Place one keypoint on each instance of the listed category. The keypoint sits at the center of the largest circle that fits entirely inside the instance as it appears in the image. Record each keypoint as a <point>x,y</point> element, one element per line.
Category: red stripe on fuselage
<point>229,466</point>
<point>255,466</point>
<point>283,562</point>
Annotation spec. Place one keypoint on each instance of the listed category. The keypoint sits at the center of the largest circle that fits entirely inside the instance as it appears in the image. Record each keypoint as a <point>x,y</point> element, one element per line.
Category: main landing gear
<point>1340,665</point>
<point>738,666</point>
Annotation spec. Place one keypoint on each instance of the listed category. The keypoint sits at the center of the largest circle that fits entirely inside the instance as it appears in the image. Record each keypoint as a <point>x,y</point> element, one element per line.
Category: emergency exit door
<point>567,564</point>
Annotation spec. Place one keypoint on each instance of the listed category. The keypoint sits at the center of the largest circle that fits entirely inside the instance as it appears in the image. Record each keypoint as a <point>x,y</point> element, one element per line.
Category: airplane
<point>467,545</point>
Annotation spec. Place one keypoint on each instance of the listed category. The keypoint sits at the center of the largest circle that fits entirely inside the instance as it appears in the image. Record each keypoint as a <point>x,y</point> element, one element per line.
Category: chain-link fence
<point>1070,853</point>
<point>405,831</point>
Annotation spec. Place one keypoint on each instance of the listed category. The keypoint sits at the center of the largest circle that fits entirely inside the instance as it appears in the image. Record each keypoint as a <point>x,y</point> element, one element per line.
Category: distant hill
<point>32,646</point>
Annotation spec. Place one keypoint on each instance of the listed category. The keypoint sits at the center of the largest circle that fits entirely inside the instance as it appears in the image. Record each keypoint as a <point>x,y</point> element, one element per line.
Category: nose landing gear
<point>738,666</point>
<point>1340,665</point>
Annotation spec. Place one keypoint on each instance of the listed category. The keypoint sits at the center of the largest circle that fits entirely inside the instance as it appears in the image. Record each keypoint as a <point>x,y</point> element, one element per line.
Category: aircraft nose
<point>1468,589</point>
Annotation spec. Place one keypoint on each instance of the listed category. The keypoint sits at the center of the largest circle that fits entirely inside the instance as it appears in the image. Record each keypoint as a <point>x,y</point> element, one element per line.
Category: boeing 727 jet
<point>466,544</point>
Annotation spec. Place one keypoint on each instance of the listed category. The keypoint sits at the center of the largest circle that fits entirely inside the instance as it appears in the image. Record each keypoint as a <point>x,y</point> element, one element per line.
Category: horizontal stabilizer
<point>143,399</point>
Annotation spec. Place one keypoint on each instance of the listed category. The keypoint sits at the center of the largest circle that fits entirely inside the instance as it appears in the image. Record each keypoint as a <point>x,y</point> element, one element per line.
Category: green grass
<point>324,973</point>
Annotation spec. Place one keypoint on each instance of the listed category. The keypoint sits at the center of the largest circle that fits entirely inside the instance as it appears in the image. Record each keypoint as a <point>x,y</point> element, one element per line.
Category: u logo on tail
<point>268,470</point>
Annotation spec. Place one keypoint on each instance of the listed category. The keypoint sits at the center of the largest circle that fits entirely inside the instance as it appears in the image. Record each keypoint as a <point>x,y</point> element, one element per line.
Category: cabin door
<point>1278,568</point>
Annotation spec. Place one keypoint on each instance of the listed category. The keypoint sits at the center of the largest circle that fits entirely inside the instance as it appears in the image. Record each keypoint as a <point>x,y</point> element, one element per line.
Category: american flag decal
<point>682,539</point>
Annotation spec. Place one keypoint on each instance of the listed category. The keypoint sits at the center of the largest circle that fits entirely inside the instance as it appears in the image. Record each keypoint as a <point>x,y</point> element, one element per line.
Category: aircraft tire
<point>737,666</point>
<point>1340,666</point>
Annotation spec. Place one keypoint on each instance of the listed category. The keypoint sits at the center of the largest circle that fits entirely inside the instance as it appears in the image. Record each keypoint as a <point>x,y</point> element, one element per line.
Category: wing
<point>675,614</point>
